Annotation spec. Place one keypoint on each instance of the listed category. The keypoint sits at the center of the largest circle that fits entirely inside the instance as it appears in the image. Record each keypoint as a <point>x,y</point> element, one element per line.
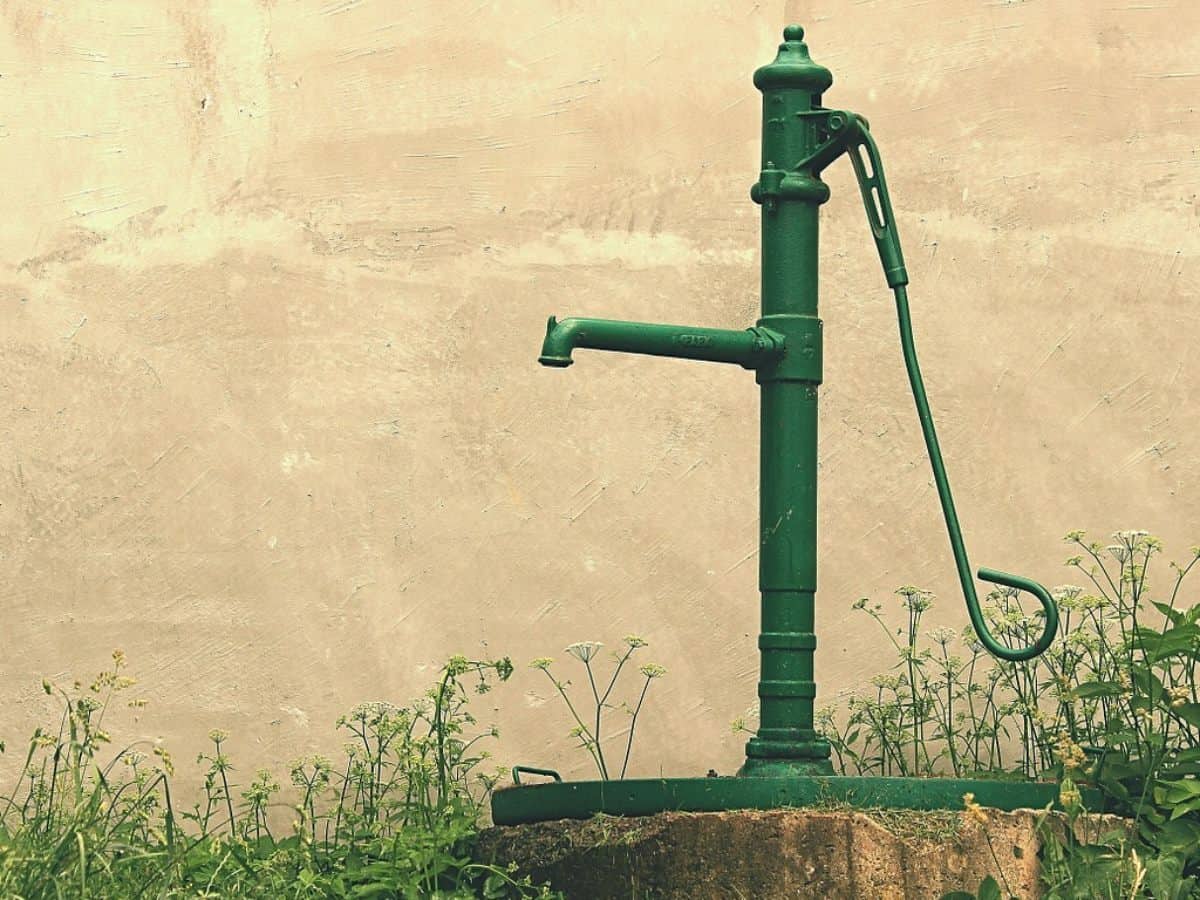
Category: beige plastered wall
<point>275,275</point>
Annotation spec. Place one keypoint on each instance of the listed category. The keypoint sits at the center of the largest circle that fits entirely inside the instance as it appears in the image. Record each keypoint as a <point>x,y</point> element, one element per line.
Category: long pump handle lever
<point>883,226</point>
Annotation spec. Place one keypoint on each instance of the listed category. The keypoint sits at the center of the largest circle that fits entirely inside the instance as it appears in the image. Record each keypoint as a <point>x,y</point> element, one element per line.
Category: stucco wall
<point>276,274</point>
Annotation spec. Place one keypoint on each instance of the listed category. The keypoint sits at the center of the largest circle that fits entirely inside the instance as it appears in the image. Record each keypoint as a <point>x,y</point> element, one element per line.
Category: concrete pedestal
<point>790,853</point>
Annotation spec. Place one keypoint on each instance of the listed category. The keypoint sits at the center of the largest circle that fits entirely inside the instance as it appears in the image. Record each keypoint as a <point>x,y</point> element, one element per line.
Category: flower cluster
<point>972,810</point>
<point>590,734</point>
<point>1070,754</point>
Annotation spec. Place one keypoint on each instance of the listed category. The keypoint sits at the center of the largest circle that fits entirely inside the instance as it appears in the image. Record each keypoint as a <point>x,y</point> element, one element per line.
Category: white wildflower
<point>584,651</point>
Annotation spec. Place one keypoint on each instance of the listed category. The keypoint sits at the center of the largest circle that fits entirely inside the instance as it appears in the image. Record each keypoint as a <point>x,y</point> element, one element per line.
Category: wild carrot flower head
<point>1067,596</point>
<point>942,635</point>
<point>915,599</point>
<point>1131,537</point>
<point>583,651</point>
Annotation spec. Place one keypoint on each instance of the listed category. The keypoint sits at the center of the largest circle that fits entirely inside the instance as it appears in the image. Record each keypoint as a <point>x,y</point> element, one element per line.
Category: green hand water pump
<point>800,138</point>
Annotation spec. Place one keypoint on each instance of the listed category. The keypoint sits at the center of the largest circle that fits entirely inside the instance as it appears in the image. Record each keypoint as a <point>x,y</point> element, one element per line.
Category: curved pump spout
<point>750,348</point>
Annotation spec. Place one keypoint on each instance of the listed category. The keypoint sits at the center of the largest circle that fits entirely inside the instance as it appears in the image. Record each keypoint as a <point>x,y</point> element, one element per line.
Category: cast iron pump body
<point>800,138</point>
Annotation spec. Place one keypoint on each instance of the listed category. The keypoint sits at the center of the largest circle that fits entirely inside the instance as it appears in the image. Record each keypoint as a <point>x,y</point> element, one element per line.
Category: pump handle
<point>878,203</point>
<point>887,241</point>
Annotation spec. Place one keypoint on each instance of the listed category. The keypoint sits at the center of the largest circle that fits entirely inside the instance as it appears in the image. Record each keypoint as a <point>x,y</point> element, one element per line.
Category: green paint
<point>647,796</point>
<point>749,348</point>
<point>800,138</point>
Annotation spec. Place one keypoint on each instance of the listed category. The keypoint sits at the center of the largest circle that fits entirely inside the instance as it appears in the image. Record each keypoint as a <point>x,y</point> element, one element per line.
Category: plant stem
<point>633,724</point>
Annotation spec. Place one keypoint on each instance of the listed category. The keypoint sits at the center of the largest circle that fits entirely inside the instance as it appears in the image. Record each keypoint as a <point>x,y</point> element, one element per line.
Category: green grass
<point>1113,704</point>
<point>395,816</point>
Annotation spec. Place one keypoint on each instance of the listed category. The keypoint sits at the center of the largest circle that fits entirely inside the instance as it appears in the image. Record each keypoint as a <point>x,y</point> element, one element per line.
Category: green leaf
<point>1180,769</point>
<point>372,890</point>
<point>1172,642</point>
<point>1174,616</point>
<point>1164,877</point>
<point>1189,712</point>
<point>1119,737</point>
<point>1184,809</point>
<point>1182,835</point>
<point>1147,684</point>
<point>988,889</point>
<point>1091,689</point>
<point>288,843</point>
<point>495,887</point>
<point>1118,766</point>
<point>1179,791</point>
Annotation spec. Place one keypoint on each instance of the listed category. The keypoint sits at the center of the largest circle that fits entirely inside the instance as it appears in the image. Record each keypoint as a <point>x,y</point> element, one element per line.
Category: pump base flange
<point>649,796</point>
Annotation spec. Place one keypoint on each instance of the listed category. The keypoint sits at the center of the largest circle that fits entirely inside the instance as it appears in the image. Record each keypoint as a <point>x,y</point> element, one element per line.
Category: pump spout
<point>561,339</point>
<point>750,349</point>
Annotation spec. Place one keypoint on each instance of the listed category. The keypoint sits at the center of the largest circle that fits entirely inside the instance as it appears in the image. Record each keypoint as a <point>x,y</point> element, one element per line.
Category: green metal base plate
<point>648,796</point>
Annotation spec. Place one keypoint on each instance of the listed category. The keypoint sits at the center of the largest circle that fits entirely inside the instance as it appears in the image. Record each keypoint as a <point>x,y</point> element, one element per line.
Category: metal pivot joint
<point>800,138</point>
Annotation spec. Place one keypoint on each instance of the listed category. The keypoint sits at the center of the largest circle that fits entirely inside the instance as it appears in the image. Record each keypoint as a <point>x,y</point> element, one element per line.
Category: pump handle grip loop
<point>883,227</point>
<point>1049,609</point>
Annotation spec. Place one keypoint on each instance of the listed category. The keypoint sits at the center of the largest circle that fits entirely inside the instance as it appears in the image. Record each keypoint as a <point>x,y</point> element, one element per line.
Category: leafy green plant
<point>396,818</point>
<point>1132,699</point>
<point>989,889</point>
<point>1113,703</point>
<point>590,733</point>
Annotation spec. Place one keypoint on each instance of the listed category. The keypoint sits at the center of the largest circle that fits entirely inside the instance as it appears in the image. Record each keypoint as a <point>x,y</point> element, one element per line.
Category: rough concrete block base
<point>777,853</point>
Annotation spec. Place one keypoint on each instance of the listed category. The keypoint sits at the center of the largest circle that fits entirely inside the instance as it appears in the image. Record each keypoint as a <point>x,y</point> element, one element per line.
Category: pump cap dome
<point>793,68</point>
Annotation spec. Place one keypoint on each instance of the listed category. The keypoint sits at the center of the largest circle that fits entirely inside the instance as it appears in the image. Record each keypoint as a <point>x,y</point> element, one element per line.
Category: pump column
<point>786,742</point>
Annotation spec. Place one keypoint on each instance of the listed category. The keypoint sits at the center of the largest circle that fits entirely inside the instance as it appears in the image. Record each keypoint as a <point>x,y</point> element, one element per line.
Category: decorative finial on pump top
<point>793,67</point>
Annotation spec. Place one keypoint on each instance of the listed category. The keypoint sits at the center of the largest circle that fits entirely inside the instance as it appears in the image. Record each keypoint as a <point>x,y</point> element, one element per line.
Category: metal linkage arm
<point>956,541</point>
<point>883,227</point>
